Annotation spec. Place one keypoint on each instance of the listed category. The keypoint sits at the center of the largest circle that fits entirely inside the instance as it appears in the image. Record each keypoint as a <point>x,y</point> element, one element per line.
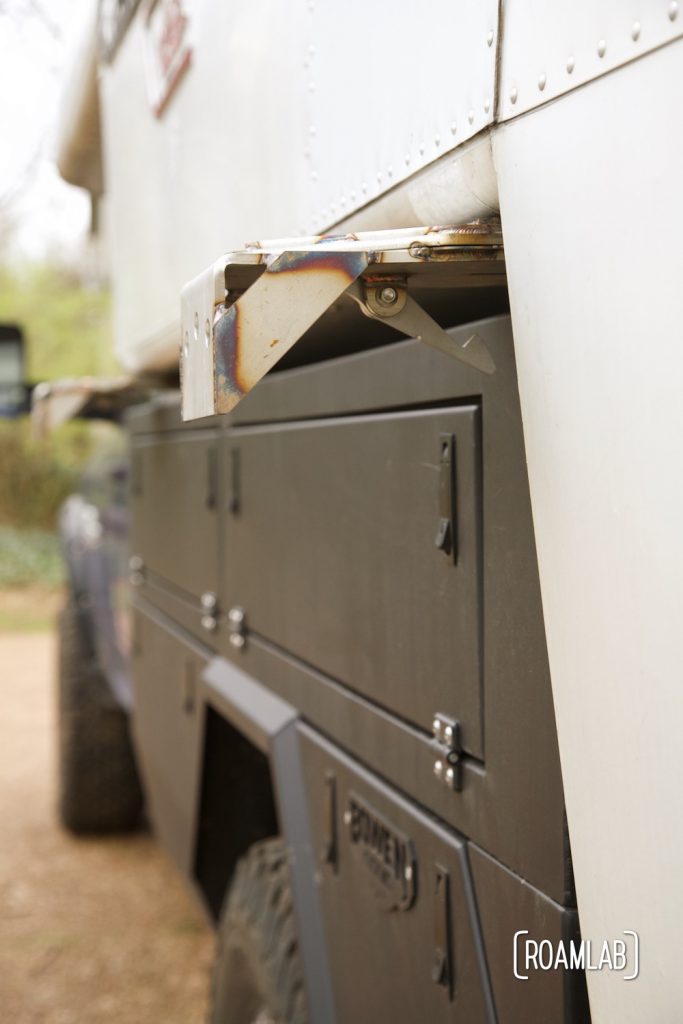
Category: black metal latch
<point>448,763</point>
<point>329,847</point>
<point>446,533</point>
<point>442,965</point>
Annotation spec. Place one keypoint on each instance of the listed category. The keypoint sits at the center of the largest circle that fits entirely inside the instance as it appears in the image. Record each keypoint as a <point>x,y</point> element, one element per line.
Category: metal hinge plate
<point>448,751</point>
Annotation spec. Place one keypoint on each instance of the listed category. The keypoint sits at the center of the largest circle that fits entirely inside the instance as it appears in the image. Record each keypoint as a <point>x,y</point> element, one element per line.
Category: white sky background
<point>47,218</point>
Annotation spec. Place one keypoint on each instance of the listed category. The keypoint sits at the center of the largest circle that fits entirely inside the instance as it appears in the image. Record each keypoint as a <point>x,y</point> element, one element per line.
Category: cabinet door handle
<point>446,538</point>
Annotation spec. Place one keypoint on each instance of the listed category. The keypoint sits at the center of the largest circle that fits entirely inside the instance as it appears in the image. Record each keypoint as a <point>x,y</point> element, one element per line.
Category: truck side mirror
<point>14,391</point>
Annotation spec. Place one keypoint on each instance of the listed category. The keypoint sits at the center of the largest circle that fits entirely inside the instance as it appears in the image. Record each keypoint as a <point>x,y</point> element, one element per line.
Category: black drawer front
<point>174,497</point>
<point>420,924</point>
<point>166,727</point>
<point>398,905</point>
<point>354,544</point>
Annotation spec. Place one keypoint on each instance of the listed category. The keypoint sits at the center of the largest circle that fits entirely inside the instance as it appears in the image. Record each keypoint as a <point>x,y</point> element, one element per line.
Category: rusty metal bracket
<point>240,317</point>
<point>226,350</point>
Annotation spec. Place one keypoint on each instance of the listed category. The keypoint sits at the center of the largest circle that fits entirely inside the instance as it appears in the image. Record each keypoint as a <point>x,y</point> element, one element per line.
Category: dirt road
<point>90,930</point>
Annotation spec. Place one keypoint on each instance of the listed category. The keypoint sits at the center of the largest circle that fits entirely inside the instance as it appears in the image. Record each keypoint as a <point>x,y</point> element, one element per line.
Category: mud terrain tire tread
<point>99,787</point>
<point>258,975</point>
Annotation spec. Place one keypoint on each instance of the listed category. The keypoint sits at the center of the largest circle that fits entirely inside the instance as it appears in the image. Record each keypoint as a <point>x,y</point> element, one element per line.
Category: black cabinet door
<point>353,543</point>
<point>174,509</point>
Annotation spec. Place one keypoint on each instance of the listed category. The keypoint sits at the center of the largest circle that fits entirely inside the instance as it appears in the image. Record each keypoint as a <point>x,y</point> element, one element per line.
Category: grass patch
<point>66,321</point>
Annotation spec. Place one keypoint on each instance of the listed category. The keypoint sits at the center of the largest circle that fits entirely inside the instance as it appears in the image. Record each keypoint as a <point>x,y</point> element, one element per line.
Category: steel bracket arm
<point>390,303</point>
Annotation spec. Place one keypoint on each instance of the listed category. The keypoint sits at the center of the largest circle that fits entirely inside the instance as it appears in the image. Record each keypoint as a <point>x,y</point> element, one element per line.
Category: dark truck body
<point>336,601</point>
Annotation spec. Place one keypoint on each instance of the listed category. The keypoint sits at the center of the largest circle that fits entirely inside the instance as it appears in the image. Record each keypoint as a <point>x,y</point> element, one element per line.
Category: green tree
<point>66,322</point>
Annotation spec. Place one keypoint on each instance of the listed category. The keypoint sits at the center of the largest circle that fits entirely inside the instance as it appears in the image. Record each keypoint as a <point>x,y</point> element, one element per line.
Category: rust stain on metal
<point>234,347</point>
<point>317,261</point>
<point>228,389</point>
<point>274,296</point>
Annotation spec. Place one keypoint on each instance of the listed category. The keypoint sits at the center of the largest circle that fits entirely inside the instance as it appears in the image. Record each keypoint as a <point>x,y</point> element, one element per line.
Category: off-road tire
<point>99,788</point>
<point>257,976</point>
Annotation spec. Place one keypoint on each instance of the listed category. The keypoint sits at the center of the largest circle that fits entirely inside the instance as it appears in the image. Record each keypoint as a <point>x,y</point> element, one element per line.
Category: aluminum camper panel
<point>597,339</point>
<point>247,143</point>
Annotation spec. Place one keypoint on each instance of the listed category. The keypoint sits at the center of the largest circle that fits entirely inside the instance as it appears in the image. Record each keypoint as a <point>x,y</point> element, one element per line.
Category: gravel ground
<point>90,930</point>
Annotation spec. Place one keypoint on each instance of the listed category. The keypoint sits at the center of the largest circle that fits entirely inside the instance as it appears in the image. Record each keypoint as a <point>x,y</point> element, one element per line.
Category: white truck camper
<point>410,265</point>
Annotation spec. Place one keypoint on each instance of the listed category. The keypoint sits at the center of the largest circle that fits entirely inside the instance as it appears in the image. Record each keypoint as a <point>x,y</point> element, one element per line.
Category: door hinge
<point>448,748</point>
<point>209,611</point>
<point>237,627</point>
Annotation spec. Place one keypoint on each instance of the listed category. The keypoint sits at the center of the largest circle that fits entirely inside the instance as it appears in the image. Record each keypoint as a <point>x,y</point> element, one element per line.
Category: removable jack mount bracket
<point>448,751</point>
<point>244,312</point>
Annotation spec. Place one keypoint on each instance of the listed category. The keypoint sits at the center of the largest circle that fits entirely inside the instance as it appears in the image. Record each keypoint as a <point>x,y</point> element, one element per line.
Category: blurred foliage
<point>66,324</point>
<point>29,556</point>
<point>66,321</point>
<point>36,476</point>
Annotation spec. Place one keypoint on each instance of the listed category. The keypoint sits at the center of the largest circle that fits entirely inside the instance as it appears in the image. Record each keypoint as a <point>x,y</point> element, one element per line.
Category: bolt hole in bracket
<point>260,301</point>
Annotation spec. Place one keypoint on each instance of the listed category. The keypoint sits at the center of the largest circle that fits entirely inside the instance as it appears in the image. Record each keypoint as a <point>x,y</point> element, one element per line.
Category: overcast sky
<point>48,216</point>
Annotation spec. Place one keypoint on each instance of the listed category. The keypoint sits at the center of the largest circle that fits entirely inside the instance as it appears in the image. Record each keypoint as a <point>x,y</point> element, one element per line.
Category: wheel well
<point>236,808</point>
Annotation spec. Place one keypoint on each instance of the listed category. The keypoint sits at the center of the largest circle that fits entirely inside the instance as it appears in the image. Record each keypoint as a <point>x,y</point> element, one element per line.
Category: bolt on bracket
<point>390,302</point>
